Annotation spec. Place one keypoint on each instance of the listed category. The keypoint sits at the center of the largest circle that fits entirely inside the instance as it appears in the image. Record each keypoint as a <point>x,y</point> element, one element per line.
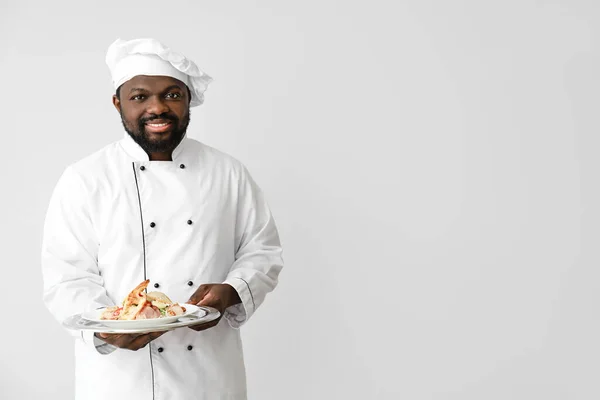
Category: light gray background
<point>432,166</point>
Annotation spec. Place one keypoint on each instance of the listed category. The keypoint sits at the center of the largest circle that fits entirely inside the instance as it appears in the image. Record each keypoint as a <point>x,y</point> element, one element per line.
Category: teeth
<point>159,125</point>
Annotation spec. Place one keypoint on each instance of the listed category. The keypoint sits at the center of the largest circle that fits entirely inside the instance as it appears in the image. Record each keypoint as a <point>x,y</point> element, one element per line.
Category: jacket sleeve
<point>258,258</point>
<point>71,280</point>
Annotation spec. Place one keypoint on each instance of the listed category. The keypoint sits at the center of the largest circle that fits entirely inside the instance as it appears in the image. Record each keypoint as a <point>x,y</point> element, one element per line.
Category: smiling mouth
<point>158,127</point>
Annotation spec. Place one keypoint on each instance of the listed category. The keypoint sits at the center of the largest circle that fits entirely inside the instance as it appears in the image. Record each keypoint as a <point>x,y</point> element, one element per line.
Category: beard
<point>140,136</point>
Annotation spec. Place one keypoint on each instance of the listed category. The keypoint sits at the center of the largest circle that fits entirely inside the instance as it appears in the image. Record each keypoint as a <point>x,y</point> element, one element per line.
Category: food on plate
<point>141,305</point>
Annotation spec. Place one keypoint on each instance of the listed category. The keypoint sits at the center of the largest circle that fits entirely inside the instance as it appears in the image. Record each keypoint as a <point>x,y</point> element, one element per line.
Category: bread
<point>134,302</point>
<point>159,299</point>
<point>158,296</point>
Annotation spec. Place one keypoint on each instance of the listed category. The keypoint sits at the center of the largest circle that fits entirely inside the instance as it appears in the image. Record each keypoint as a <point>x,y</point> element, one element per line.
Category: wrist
<point>233,297</point>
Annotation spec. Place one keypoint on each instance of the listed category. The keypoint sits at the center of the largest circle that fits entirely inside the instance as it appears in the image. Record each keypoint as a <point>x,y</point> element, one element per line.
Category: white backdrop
<point>432,166</point>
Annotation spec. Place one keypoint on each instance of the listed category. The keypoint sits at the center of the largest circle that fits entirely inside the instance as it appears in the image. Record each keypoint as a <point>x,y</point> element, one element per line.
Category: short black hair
<point>118,93</point>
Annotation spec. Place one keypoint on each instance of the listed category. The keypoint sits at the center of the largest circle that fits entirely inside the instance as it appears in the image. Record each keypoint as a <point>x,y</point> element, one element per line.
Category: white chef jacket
<point>114,219</point>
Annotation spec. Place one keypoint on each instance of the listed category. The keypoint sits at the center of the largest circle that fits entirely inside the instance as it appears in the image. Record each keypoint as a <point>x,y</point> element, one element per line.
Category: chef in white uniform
<point>160,206</point>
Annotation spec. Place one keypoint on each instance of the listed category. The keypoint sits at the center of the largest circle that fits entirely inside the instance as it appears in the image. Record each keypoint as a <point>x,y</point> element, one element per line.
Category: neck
<point>160,156</point>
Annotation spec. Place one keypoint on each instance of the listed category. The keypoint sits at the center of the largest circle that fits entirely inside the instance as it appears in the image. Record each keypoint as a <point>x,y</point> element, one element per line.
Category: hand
<point>129,341</point>
<point>216,295</point>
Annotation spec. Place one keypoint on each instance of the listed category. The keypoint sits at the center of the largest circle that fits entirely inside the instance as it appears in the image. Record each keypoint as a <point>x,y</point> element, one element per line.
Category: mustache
<point>165,116</point>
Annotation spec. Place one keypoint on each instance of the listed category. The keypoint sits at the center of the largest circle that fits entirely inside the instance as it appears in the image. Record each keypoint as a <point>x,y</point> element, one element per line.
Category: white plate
<point>94,316</point>
<point>202,316</point>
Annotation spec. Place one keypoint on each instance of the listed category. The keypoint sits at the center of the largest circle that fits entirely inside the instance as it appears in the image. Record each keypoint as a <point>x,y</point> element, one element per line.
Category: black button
<point>142,168</point>
<point>156,285</point>
<point>160,349</point>
<point>190,222</point>
<point>152,224</point>
<point>182,166</point>
<point>190,347</point>
<point>190,283</point>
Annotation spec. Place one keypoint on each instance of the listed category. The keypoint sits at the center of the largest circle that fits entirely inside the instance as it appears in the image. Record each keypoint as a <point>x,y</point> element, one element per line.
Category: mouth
<point>158,126</point>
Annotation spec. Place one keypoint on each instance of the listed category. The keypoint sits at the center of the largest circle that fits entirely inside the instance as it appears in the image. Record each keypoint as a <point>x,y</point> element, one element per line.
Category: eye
<point>138,97</point>
<point>173,95</point>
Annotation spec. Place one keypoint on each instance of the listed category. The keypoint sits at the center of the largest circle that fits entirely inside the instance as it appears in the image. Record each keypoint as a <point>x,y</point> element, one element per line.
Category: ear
<point>116,103</point>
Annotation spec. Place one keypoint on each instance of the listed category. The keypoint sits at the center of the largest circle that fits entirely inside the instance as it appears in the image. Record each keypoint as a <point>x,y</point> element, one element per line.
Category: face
<point>154,111</point>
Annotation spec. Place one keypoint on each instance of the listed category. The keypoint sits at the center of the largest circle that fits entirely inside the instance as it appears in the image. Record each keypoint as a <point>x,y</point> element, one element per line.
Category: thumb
<point>207,300</point>
<point>199,294</point>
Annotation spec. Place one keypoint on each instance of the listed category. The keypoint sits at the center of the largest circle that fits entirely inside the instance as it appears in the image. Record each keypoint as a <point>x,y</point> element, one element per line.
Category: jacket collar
<point>135,151</point>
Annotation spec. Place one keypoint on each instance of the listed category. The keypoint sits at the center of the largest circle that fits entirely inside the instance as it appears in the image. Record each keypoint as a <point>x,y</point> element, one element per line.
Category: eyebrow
<point>165,90</point>
<point>136,89</point>
<point>173,87</point>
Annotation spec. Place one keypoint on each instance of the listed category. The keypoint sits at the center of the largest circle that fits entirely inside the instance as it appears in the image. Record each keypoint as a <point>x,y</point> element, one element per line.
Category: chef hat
<point>126,59</point>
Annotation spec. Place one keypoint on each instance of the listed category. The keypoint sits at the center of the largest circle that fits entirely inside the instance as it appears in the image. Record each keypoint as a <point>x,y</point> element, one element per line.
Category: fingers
<point>201,327</point>
<point>141,341</point>
<point>116,339</point>
<point>215,300</point>
<point>137,343</point>
<point>129,341</point>
<point>123,341</point>
<point>208,300</point>
<point>199,294</point>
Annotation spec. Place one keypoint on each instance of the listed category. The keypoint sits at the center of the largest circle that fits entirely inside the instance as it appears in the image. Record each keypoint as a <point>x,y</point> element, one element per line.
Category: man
<point>160,206</point>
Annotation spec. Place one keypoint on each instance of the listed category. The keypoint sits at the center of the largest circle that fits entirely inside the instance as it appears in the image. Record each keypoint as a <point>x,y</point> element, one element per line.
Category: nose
<point>156,105</point>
